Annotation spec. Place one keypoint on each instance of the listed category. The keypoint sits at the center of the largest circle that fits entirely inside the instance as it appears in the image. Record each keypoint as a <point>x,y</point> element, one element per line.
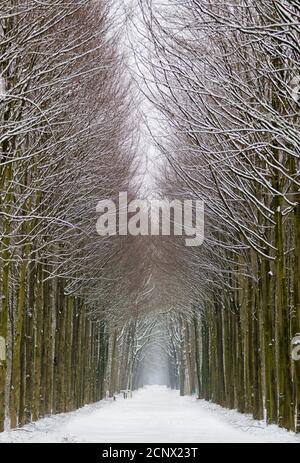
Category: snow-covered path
<point>154,414</point>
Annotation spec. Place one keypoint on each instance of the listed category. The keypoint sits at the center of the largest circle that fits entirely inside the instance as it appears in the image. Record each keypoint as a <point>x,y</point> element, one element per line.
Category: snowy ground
<point>154,414</point>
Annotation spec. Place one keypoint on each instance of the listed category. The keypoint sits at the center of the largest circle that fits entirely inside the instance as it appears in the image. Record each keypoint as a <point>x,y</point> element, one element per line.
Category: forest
<point>203,98</point>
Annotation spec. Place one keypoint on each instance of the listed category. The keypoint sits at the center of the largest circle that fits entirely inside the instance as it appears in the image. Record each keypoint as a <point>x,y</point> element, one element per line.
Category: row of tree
<point>83,316</point>
<point>225,80</point>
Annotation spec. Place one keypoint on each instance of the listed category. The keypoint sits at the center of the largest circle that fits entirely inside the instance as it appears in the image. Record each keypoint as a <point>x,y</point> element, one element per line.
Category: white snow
<point>154,414</point>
